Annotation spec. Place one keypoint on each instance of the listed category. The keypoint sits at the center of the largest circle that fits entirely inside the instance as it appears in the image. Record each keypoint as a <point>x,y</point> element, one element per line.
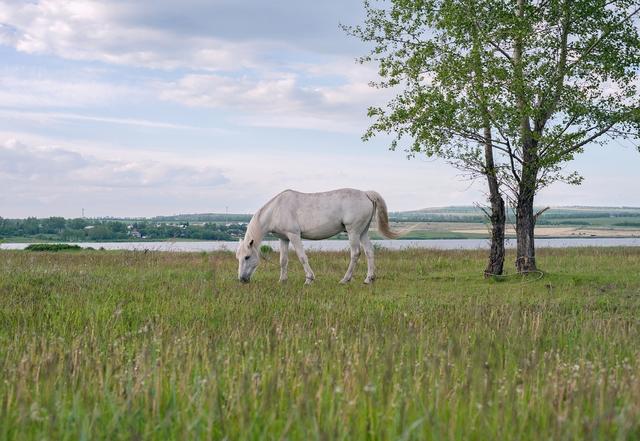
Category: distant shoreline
<point>342,245</point>
<point>469,236</point>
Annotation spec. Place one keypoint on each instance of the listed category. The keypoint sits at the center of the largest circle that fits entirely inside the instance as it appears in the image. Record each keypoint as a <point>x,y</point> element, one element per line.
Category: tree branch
<point>557,137</point>
<point>513,167</point>
<point>537,215</point>
<point>600,39</point>
<point>493,43</point>
<point>502,51</point>
<point>547,108</point>
<point>525,124</point>
<point>591,138</point>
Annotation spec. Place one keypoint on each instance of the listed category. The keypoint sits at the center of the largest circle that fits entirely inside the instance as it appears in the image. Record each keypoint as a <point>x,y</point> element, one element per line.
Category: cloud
<point>195,34</point>
<point>51,165</point>
<point>39,179</point>
<point>49,117</point>
<point>237,56</point>
<point>287,100</point>
<point>106,31</point>
<point>20,89</point>
<point>304,24</point>
<point>44,181</point>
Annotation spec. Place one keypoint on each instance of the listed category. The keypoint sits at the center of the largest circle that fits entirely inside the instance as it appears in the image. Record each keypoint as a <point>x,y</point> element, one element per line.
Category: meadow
<point>135,345</point>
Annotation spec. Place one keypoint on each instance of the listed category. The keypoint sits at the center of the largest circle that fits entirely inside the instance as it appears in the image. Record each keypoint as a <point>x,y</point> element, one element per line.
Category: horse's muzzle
<point>244,279</point>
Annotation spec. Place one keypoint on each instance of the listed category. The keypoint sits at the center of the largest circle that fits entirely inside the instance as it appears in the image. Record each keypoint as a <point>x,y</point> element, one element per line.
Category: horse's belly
<point>317,232</point>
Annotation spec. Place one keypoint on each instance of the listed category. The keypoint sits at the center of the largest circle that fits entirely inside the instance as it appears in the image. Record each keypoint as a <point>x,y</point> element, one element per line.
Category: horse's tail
<point>380,206</point>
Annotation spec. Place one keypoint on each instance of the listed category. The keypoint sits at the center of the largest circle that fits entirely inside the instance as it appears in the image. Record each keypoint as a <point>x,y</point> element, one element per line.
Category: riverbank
<point>341,245</point>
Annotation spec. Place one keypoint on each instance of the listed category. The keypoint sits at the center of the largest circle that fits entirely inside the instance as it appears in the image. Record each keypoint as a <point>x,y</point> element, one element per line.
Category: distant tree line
<point>80,229</point>
<point>560,217</point>
<point>204,217</point>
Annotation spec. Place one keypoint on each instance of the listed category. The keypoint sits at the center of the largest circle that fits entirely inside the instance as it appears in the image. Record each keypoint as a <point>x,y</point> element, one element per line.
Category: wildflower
<point>370,388</point>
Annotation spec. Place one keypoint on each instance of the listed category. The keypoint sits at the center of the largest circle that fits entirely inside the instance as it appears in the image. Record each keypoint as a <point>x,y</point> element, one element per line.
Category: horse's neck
<point>256,228</point>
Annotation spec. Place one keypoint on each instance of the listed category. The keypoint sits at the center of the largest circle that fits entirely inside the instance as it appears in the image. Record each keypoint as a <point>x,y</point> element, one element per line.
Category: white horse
<point>292,216</point>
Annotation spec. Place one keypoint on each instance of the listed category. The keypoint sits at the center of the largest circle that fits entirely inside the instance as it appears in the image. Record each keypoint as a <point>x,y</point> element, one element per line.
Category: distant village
<point>82,229</point>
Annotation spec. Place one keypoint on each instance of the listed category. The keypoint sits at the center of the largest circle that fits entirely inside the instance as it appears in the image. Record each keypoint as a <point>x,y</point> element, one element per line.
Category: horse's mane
<point>254,231</point>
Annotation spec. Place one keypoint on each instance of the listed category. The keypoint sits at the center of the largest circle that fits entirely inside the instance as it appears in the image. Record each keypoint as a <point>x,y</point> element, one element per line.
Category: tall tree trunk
<point>527,182</point>
<point>525,226</point>
<point>525,218</point>
<point>495,264</point>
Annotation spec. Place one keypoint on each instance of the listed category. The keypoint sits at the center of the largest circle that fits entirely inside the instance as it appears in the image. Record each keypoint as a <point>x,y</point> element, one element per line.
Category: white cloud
<point>285,100</point>
<point>102,31</point>
<point>262,64</point>
<point>112,180</point>
<point>52,165</point>
<point>46,181</point>
<point>22,89</point>
<point>261,84</point>
<point>52,179</point>
<point>51,117</point>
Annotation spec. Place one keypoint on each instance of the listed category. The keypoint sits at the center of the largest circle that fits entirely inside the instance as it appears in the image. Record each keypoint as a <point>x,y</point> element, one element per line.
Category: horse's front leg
<point>284,259</point>
<point>297,246</point>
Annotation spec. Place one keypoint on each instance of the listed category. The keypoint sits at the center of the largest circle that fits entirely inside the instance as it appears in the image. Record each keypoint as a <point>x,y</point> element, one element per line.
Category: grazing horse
<point>292,216</point>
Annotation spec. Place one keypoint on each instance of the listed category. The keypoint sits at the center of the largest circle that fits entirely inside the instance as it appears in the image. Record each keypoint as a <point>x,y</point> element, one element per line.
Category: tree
<point>434,53</point>
<point>533,82</point>
<point>53,225</point>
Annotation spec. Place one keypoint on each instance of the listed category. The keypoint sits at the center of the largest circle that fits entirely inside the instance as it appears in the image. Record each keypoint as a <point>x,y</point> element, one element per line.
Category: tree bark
<point>527,182</point>
<point>525,225</point>
<point>495,264</point>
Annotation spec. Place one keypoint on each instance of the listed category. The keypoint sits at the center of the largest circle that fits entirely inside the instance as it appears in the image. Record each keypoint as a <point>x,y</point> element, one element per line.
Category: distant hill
<point>571,215</point>
<point>468,214</point>
<point>204,217</point>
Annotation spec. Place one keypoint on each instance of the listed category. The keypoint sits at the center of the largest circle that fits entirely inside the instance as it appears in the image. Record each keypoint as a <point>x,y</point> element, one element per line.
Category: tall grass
<point>132,345</point>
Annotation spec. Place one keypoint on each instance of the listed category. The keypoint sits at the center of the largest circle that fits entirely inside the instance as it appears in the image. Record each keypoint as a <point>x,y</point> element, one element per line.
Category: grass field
<point>134,345</point>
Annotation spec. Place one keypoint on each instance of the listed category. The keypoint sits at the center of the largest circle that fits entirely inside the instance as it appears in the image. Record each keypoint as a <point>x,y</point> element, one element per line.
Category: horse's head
<point>248,259</point>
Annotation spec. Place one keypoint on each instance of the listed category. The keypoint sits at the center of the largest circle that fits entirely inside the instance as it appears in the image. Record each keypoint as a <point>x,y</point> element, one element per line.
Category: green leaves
<point>549,79</point>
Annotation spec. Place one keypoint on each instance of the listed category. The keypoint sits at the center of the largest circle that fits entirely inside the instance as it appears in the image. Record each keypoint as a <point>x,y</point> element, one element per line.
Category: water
<point>341,245</point>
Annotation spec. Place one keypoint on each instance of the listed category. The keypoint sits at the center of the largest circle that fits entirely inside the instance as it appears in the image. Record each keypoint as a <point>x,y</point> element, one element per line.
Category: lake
<point>341,245</point>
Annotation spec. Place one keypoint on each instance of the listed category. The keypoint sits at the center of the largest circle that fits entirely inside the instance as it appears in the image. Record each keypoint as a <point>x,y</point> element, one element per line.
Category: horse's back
<point>344,200</point>
<point>322,215</point>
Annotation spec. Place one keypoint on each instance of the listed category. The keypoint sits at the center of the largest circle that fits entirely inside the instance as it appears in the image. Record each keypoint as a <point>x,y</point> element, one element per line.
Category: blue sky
<point>154,108</point>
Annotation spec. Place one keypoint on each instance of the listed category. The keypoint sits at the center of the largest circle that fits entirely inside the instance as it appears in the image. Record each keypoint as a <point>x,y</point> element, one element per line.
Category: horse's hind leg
<point>297,246</point>
<point>284,259</point>
<point>354,244</point>
<point>368,251</point>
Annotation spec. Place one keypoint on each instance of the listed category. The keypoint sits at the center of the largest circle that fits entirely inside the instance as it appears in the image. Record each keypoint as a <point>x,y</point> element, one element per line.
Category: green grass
<point>134,345</point>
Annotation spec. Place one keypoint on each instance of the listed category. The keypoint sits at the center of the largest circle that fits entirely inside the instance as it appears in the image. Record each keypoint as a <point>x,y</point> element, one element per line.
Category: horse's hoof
<point>308,281</point>
<point>283,280</point>
<point>344,281</point>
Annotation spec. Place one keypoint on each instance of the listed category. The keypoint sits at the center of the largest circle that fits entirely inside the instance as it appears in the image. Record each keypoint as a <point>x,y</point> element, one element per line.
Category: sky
<point>147,108</point>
